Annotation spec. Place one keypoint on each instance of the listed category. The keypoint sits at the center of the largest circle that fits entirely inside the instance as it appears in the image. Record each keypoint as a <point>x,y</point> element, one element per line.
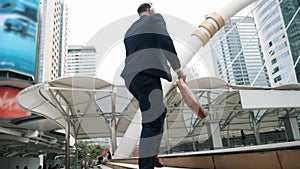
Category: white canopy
<point>224,103</point>
<point>70,99</point>
<point>89,104</point>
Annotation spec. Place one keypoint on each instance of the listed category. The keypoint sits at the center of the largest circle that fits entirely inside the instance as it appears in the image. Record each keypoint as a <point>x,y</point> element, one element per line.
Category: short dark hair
<point>142,8</point>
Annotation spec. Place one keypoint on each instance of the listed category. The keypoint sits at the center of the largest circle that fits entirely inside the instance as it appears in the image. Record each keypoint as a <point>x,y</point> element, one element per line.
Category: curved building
<point>237,50</point>
<point>278,28</point>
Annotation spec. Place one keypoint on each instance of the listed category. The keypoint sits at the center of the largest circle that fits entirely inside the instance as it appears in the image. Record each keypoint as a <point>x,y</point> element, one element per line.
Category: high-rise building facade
<point>238,55</point>
<point>291,19</point>
<point>81,60</point>
<point>278,26</point>
<point>53,39</point>
<point>63,48</point>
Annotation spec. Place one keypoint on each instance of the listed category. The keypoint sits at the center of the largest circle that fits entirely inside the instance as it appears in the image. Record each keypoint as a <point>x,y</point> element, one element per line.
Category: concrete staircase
<point>116,165</point>
<point>269,156</point>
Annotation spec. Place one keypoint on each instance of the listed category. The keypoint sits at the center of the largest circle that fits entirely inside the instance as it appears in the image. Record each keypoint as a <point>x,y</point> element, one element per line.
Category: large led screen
<point>8,106</point>
<point>18,35</point>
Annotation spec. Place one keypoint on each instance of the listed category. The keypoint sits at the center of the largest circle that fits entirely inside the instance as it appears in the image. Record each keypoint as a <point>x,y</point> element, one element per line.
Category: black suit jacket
<point>149,48</point>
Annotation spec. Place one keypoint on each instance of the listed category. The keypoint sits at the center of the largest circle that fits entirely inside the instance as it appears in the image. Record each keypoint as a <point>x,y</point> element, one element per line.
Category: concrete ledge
<point>266,160</point>
<point>133,166</point>
<point>270,156</point>
<point>247,149</point>
<point>189,162</point>
<point>289,159</point>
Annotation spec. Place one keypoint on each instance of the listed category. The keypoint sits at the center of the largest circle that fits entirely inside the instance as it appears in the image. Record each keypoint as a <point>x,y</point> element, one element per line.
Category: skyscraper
<point>63,40</point>
<point>237,49</point>
<point>52,39</point>
<point>279,30</point>
<point>81,60</point>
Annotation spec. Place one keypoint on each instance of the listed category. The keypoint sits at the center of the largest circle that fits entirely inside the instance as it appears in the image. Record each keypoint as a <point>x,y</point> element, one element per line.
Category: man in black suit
<point>149,48</point>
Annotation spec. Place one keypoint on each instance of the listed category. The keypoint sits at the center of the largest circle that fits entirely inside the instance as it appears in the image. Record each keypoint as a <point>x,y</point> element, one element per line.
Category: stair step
<point>135,166</point>
<point>102,167</point>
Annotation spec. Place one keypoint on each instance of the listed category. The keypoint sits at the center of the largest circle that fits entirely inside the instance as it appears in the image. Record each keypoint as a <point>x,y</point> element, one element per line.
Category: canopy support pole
<point>113,121</point>
<point>67,146</point>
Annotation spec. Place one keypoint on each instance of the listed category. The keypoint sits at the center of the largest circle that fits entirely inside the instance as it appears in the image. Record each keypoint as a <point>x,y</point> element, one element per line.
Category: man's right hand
<point>181,75</point>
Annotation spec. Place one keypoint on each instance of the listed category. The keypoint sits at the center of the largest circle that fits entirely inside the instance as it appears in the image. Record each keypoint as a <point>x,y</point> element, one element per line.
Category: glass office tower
<point>278,24</point>
<point>237,50</point>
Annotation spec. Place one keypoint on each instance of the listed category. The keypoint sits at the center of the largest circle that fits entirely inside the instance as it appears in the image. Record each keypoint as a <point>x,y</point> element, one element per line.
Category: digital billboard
<point>8,106</point>
<point>18,36</point>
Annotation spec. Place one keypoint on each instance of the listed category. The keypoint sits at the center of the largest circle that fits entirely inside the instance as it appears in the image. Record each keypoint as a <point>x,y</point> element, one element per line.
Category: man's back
<point>148,47</point>
<point>144,32</point>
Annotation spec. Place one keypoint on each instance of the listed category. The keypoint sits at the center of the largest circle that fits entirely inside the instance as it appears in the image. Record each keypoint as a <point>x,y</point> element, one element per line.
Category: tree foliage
<point>88,152</point>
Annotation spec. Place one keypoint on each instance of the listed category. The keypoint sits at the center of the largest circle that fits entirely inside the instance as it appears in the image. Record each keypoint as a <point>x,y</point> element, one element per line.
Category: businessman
<point>149,49</point>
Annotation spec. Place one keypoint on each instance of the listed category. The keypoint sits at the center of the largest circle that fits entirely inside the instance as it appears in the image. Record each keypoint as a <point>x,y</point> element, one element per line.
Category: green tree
<point>88,152</point>
<point>95,150</point>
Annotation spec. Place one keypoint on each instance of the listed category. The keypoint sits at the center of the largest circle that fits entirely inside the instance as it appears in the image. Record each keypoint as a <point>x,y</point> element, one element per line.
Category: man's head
<point>145,9</point>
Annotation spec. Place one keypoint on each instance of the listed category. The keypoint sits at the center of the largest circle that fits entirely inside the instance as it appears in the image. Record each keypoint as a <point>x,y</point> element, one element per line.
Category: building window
<point>275,70</point>
<point>274,61</point>
<point>277,79</point>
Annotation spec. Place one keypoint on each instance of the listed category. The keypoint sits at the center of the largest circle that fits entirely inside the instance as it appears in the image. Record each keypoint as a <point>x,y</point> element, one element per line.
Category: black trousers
<point>147,90</point>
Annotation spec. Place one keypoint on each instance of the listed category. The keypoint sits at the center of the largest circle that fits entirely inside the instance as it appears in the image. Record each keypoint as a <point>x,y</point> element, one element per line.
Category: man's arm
<point>166,43</point>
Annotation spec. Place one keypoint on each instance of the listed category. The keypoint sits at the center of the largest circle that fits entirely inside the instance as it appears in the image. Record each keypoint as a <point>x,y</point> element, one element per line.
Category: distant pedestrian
<point>25,167</point>
<point>103,157</point>
<point>243,137</point>
<point>109,155</point>
<point>17,167</point>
